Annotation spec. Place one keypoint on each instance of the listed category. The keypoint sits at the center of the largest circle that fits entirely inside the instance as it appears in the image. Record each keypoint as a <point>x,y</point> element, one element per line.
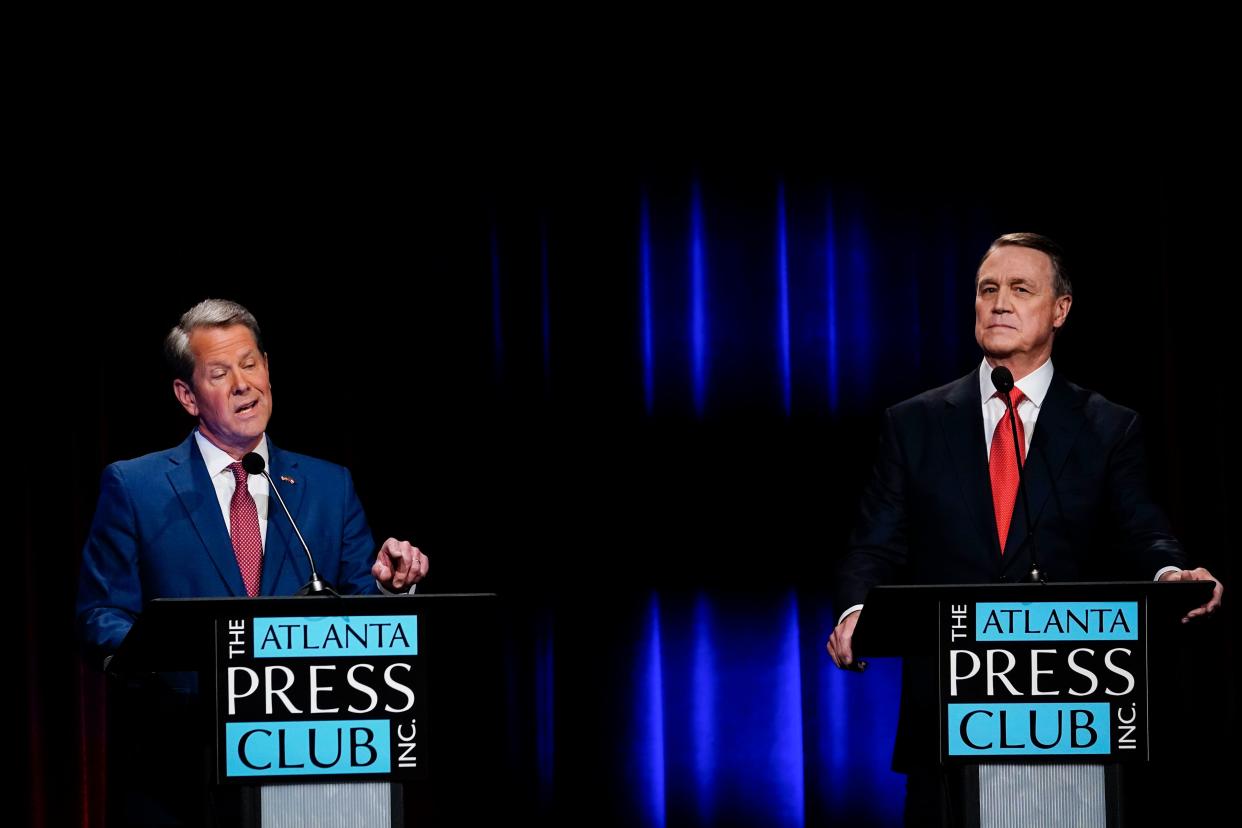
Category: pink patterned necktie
<point>1003,467</point>
<point>244,530</point>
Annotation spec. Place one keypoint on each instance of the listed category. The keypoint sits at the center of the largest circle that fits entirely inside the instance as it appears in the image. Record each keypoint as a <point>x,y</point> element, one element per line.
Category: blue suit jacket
<point>158,532</point>
<point>927,515</point>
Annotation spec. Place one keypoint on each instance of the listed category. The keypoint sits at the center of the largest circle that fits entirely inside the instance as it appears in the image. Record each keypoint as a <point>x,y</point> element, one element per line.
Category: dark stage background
<point>627,373</point>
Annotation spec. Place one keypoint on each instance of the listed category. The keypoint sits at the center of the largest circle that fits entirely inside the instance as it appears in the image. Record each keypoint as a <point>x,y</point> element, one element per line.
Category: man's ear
<point>185,395</point>
<point>1062,310</point>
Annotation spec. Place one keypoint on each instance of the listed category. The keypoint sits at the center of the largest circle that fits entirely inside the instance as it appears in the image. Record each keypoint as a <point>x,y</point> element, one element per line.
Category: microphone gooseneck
<point>253,463</point>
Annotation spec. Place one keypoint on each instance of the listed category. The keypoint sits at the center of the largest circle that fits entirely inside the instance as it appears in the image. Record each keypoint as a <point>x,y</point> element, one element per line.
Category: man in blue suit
<point>164,528</point>
<point>940,505</point>
<point>190,522</point>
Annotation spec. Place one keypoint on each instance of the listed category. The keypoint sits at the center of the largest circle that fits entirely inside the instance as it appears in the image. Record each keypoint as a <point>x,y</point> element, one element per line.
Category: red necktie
<point>1003,467</point>
<point>244,530</point>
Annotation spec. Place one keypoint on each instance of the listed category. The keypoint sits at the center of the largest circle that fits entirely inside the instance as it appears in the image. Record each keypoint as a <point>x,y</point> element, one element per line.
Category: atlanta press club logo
<point>329,696</point>
<point>1054,679</point>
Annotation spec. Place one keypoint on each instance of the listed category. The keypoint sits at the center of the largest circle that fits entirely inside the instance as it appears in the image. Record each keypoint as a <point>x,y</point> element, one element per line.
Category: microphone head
<point>253,463</point>
<point>1002,379</point>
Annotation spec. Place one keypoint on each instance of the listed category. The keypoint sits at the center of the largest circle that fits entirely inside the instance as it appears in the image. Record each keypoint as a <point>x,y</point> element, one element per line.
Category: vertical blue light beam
<point>782,298</point>
<point>652,722</point>
<point>545,712</point>
<point>704,724</point>
<point>787,751</point>
<point>834,366</point>
<point>644,257</point>
<point>698,300</point>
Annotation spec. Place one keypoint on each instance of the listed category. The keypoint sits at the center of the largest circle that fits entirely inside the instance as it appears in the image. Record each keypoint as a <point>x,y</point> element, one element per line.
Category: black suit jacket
<point>927,517</point>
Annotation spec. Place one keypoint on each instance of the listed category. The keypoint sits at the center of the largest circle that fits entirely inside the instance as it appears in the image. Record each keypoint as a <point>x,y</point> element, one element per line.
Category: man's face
<point>1016,308</point>
<point>230,392</point>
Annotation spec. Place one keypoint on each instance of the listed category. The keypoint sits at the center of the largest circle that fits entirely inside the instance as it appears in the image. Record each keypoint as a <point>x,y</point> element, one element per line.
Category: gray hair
<point>209,313</point>
<point>1060,275</point>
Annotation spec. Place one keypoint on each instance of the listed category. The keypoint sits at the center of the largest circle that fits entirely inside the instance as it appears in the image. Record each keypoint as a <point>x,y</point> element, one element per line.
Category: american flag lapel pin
<point>286,478</point>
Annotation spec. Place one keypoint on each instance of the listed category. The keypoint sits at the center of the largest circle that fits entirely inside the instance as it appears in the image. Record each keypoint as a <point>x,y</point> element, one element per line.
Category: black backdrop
<point>368,248</point>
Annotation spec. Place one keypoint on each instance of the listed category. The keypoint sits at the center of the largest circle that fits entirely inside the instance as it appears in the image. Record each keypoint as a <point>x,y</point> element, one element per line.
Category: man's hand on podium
<point>1199,574</point>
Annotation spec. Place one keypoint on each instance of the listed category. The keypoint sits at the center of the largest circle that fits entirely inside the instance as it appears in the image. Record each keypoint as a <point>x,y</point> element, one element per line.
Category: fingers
<point>418,566</point>
<point>402,556</point>
<point>832,649</point>
<point>1217,594</point>
<point>401,553</point>
<point>845,652</point>
<point>399,564</point>
<point>840,648</point>
<point>380,571</point>
<point>1218,591</point>
<point>383,570</point>
<point>1201,574</point>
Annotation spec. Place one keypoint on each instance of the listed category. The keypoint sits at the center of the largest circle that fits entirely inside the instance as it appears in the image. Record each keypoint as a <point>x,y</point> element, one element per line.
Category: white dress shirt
<point>222,478</point>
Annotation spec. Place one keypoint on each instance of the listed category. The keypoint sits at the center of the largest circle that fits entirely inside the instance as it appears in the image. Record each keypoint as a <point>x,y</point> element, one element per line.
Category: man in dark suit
<point>940,505</point>
<point>190,521</point>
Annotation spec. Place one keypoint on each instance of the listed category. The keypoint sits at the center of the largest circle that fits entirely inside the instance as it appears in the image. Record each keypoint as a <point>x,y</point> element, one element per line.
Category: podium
<point>1038,694</point>
<point>317,710</point>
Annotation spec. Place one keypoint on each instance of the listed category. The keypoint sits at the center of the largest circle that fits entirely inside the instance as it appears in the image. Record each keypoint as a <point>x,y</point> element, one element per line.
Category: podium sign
<point>1052,681</point>
<point>319,698</point>
<point>381,707</point>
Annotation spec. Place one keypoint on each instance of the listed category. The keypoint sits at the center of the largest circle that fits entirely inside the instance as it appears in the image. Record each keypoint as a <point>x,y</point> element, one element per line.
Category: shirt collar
<point>217,460</point>
<point>1034,386</point>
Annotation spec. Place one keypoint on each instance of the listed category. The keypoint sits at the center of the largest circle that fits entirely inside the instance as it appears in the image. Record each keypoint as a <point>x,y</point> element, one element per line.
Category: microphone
<point>253,463</point>
<point>1002,380</point>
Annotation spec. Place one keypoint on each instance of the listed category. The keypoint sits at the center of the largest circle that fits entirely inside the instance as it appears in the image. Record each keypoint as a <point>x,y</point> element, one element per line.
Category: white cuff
<point>1165,569</point>
<point>855,608</point>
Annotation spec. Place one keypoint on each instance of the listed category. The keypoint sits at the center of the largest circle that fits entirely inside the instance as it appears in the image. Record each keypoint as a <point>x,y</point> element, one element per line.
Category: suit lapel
<point>1057,428</point>
<point>282,543</point>
<point>963,431</point>
<point>189,479</point>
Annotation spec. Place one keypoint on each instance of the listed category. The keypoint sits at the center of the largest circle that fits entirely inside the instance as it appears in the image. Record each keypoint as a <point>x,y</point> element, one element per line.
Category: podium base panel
<point>344,804</point>
<point>1047,795</point>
